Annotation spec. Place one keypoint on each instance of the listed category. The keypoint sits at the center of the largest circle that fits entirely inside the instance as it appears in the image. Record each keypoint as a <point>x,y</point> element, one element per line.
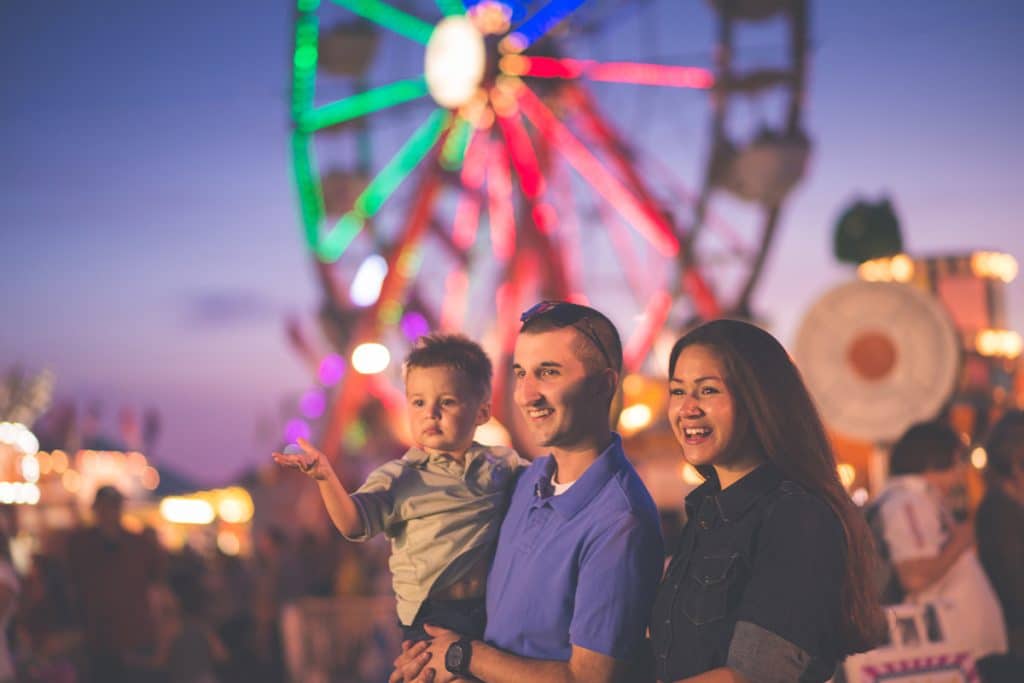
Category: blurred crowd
<point>102,603</point>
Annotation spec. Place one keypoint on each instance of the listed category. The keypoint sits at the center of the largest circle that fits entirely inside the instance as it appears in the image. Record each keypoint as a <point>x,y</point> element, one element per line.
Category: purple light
<point>414,325</point>
<point>296,429</point>
<point>313,403</point>
<point>332,367</point>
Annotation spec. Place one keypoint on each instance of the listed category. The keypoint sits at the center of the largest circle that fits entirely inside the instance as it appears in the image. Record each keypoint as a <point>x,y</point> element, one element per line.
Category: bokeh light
<point>414,325</point>
<point>369,277</point>
<point>332,367</point>
<point>370,358</point>
<point>296,429</point>
<point>313,403</point>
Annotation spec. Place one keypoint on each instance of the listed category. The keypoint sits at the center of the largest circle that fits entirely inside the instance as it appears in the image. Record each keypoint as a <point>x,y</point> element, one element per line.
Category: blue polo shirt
<point>581,568</point>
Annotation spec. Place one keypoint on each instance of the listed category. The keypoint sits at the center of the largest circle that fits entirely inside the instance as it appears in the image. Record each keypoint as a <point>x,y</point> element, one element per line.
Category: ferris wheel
<point>453,164</point>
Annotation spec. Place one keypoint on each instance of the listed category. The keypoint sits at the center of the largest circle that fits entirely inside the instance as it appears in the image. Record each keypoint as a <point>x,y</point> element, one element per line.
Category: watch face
<point>455,658</point>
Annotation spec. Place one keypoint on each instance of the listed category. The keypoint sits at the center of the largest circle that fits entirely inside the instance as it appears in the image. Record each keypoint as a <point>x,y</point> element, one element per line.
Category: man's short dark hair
<point>925,447</point>
<point>598,345</point>
<point>457,352</point>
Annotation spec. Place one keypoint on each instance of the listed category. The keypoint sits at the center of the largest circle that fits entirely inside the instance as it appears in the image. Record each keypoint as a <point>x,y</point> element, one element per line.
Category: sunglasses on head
<point>565,314</point>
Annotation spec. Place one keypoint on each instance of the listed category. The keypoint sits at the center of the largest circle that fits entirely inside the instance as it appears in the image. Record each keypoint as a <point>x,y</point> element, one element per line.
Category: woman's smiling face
<point>700,406</point>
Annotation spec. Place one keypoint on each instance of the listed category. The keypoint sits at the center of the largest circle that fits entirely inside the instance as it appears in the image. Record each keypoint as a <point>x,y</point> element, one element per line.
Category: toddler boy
<point>442,502</point>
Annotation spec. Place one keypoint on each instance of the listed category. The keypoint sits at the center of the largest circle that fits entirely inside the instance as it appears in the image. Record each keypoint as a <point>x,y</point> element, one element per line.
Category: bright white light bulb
<point>186,511</point>
<point>370,358</point>
<point>454,61</point>
<point>30,468</point>
<point>366,284</point>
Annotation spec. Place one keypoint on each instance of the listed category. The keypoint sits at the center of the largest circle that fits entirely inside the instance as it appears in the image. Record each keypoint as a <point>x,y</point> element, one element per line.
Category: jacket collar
<point>737,499</point>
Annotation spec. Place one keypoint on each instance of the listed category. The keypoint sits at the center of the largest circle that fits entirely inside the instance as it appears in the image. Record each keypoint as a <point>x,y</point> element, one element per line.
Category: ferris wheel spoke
<point>451,8</point>
<point>522,155</point>
<point>390,18</point>
<point>639,73</point>
<point>453,154</point>
<point>474,170</point>
<point>647,221</point>
<point>652,320</point>
<point>500,206</point>
<point>383,185</point>
<point>363,103</point>
<point>311,201</point>
<point>545,19</point>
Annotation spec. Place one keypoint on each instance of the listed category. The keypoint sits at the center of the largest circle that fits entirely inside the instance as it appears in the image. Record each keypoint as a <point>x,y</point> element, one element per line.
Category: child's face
<point>443,410</point>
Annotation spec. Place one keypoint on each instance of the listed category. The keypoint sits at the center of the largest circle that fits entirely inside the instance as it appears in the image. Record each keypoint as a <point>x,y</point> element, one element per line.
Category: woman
<point>770,579</point>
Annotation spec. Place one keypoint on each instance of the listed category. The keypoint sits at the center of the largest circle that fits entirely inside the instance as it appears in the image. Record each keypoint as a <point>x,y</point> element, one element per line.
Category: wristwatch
<point>456,659</point>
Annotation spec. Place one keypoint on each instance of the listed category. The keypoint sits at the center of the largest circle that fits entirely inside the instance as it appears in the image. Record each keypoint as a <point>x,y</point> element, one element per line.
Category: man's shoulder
<point>628,490</point>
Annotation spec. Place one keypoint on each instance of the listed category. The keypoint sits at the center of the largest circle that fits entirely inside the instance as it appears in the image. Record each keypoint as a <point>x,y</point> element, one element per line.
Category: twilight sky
<point>150,230</point>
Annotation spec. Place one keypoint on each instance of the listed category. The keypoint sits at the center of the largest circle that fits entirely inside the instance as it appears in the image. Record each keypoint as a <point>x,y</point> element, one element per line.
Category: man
<point>112,571</point>
<point>934,555</point>
<point>579,553</point>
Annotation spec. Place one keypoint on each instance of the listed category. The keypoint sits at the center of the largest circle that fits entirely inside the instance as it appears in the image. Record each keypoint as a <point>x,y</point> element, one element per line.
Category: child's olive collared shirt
<point>754,584</point>
<point>442,516</point>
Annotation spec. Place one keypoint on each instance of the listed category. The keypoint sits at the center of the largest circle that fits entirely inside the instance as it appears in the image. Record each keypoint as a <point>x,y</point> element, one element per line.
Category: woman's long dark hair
<point>780,416</point>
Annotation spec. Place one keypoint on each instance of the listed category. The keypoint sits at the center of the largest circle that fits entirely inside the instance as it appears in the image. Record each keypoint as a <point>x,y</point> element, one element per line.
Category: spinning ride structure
<point>512,185</point>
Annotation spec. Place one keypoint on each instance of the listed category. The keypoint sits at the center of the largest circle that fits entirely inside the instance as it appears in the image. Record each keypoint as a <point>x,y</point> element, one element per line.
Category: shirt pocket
<point>712,587</point>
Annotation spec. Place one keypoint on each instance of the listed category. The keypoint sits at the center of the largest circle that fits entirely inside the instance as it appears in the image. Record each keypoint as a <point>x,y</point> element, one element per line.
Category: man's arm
<point>340,506</point>
<point>493,665</point>
<point>919,573</point>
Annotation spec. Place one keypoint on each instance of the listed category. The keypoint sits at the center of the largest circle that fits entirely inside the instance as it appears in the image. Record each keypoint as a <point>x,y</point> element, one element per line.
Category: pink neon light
<point>455,285</point>
<point>467,213</point>
<point>620,72</point>
<point>648,222</point>
<point>654,318</point>
<point>524,159</point>
<point>544,217</point>
<point>467,218</point>
<point>500,207</point>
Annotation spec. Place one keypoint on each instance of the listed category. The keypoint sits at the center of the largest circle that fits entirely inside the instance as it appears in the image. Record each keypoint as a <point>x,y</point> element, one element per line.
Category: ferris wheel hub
<point>455,61</point>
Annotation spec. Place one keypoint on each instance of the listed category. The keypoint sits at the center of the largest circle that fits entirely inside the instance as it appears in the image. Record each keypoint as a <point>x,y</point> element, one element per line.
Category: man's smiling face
<point>552,388</point>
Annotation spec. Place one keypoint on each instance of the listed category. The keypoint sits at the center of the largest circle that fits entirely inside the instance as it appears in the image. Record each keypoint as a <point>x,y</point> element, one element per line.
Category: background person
<point>769,580</point>
<point>112,571</point>
<point>933,554</point>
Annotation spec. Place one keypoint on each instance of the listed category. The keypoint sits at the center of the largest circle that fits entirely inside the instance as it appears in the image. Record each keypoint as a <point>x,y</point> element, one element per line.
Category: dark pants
<point>111,667</point>
<point>465,617</point>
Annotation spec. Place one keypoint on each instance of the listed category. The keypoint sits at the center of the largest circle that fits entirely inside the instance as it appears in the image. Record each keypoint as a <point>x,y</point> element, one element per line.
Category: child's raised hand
<point>309,461</point>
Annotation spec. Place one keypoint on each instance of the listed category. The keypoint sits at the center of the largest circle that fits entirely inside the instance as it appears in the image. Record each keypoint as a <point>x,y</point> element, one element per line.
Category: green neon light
<point>383,186</point>
<point>310,198</point>
<point>390,18</point>
<point>337,240</point>
<point>364,103</point>
<point>454,150</point>
<point>304,64</point>
<point>305,57</point>
<point>451,8</point>
<point>403,163</point>
<point>308,5</point>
